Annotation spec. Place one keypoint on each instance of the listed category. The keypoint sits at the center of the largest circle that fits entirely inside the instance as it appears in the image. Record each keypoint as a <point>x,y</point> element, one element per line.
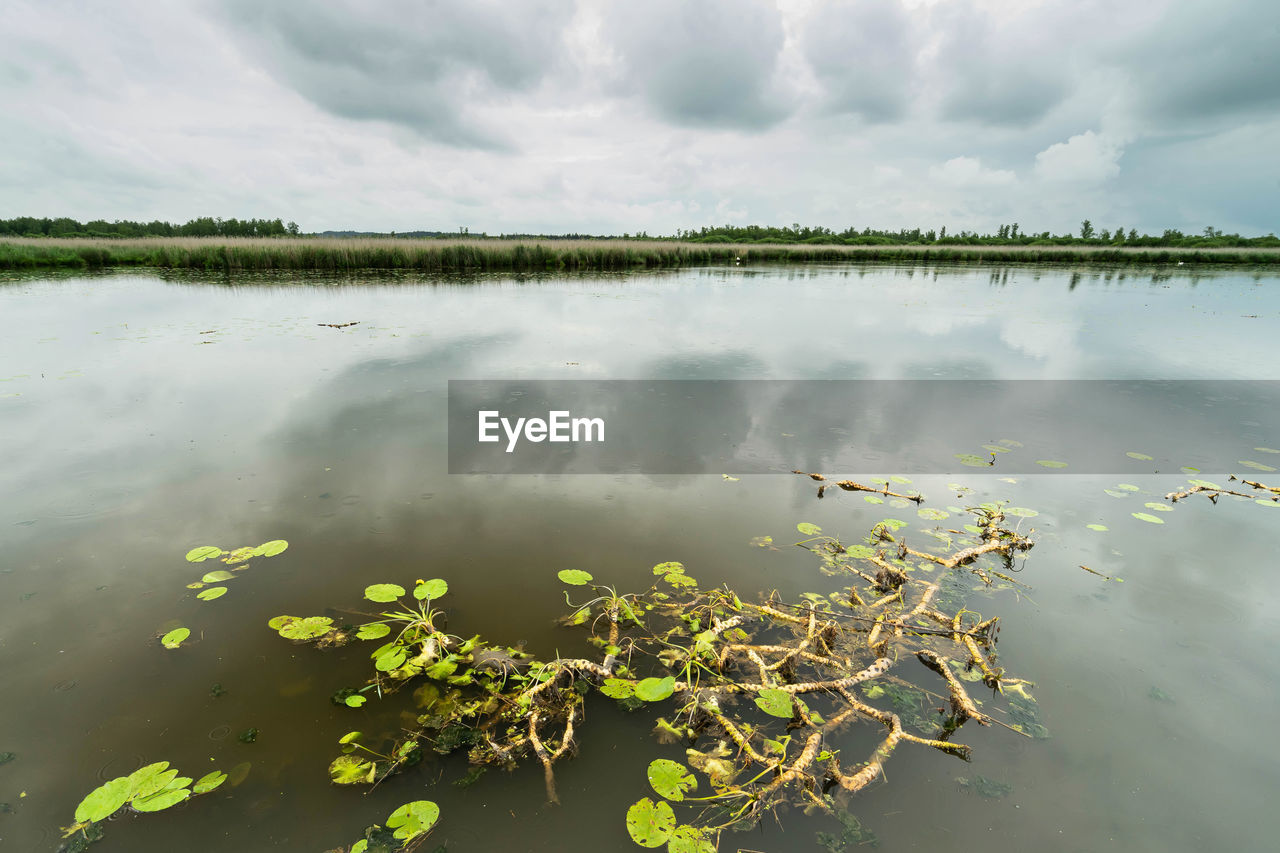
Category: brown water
<point>140,417</point>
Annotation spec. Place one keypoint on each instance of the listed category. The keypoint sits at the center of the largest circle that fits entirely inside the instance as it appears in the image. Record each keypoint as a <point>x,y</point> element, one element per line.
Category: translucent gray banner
<point>862,426</point>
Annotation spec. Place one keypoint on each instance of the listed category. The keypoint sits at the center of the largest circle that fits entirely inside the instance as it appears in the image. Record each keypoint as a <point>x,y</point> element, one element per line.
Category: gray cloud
<point>864,55</point>
<point>701,63</point>
<point>418,65</point>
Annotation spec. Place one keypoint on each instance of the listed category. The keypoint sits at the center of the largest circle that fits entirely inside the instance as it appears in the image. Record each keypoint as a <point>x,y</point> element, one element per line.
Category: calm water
<point>140,417</point>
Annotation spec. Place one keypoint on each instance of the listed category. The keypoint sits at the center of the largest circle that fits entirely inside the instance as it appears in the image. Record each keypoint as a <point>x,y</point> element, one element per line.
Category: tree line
<point>1005,235</point>
<point>205,226</point>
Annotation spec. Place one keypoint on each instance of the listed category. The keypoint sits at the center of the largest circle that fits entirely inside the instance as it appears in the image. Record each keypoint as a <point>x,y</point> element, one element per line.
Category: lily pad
<point>103,801</point>
<point>1266,450</point>
<point>808,529</point>
<point>202,553</point>
<point>211,593</point>
<point>1099,527</point>
<point>432,589</point>
<point>1127,487</point>
<point>670,779</point>
<point>305,629</point>
<point>1257,466</point>
<point>575,577</point>
<point>690,839</point>
<point>270,549</point>
<point>1142,457</point>
<point>373,631</point>
<point>383,592</point>
<point>775,702</point>
<point>933,514</point>
<point>655,689</point>
<point>355,701</point>
<point>617,688</point>
<point>650,824</point>
<point>413,819</point>
<point>1158,507</point>
<point>150,779</point>
<point>1115,493</point>
<point>1050,463</point>
<point>667,568</point>
<point>208,782</point>
<point>351,770</point>
<point>873,499</point>
<point>1266,502</point>
<point>973,460</point>
<point>160,800</point>
<point>1148,517</point>
<point>1020,512</point>
<point>217,576</point>
<point>388,661</point>
<point>174,638</point>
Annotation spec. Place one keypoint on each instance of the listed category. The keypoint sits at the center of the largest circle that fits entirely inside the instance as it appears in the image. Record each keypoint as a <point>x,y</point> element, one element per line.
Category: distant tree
<point>1086,230</point>
<point>1013,231</point>
<point>1105,236</point>
<point>293,228</point>
<point>1118,236</point>
<point>1133,234</point>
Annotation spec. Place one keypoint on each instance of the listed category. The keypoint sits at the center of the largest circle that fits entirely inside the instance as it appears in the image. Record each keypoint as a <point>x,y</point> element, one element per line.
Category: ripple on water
<point>219,732</point>
<point>120,765</point>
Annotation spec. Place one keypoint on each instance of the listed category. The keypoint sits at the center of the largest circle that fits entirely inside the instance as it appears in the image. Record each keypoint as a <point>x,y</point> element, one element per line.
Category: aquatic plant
<point>758,691</point>
<point>152,788</point>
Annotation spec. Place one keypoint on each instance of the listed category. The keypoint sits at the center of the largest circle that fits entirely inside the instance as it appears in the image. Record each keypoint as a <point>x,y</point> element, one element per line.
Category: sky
<point>604,117</point>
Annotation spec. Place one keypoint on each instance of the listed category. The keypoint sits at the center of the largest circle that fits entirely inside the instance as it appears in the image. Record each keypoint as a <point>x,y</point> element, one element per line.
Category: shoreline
<point>495,255</point>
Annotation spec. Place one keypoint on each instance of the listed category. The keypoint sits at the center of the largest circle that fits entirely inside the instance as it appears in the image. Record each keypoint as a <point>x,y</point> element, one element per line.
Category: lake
<point>143,416</point>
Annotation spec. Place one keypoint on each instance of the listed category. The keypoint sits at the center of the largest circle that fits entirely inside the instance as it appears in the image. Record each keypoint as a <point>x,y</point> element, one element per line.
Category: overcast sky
<point>608,117</point>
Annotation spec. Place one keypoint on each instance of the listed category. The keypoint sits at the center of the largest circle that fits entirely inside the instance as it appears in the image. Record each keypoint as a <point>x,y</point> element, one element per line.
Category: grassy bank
<point>350,255</point>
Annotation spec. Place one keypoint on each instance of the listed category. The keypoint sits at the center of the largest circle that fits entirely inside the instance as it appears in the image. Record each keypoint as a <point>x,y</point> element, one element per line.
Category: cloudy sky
<point>610,117</point>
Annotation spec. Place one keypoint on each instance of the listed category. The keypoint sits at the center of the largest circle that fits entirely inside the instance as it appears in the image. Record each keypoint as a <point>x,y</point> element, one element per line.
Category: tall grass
<point>233,255</point>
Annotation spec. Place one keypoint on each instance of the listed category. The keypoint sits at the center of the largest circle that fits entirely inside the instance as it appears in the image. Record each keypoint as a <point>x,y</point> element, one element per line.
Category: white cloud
<point>969,172</point>
<point>1086,158</point>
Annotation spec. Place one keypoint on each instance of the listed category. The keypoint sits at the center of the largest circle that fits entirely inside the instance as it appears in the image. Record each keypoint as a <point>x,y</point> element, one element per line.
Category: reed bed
<point>234,255</point>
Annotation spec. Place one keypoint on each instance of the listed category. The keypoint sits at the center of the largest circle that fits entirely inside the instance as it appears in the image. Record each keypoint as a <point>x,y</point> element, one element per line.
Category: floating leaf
<point>388,661</point>
<point>202,553</point>
<point>351,770</point>
<point>383,592</point>
<point>873,499</point>
<point>894,524</point>
<point>208,782</point>
<point>1050,463</point>
<point>1020,512</point>
<point>933,514</point>
<point>655,689</point>
<point>1204,484</point>
<point>1115,493</point>
<point>160,800</point>
<point>670,779</point>
<point>973,460</point>
<point>1187,469</point>
<point>373,631</point>
<point>574,577</point>
<point>900,480</point>
<point>240,555</point>
<point>236,775</point>
<point>1266,450</point>
<point>211,593</point>
<point>103,801</point>
<point>174,638</point>
<point>150,779</point>
<point>217,576</point>
<point>690,839</point>
<point>270,549</point>
<point>1140,456</point>
<point>413,819</point>
<point>1266,502</point>
<point>670,567</point>
<point>1158,507</point>
<point>617,688</point>
<point>808,529</point>
<point>305,629</point>
<point>996,448</point>
<point>1148,517</point>
<point>761,541</point>
<point>433,589</point>
<point>775,702</point>
<point>1257,466</point>
<point>1127,487</point>
<point>355,701</point>
<point>1098,527</point>
<point>650,824</point>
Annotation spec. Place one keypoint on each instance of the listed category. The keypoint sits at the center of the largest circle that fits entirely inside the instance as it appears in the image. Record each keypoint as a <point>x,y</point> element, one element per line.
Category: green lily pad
<point>211,593</point>
<point>1116,493</point>
<point>575,577</point>
<point>432,589</point>
<point>690,839</point>
<point>617,688</point>
<point>202,553</point>
<point>355,701</point>
<point>1148,517</point>
<point>655,689</point>
<point>1020,512</point>
<point>1204,484</point>
<point>150,779</point>
<point>208,782</point>
<point>670,779</point>
<point>103,801</point>
<point>775,702</point>
<point>1142,457</point>
<point>1158,507</point>
<point>383,592</point>
<point>160,800</point>
<point>388,661</point>
<point>808,529</point>
<point>1266,450</point>
<point>650,824</point>
<point>270,549</point>
<point>174,638</point>
<point>1266,502</point>
<point>1257,466</point>
<point>933,514</point>
<point>1050,463</point>
<point>1127,487</point>
<point>373,631</point>
<point>217,576</point>
<point>668,568</point>
<point>973,460</point>
<point>351,770</point>
<point>413,819</point>
<point>1098,527</point>
<point>305,629</point>
<point>873,499</point>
